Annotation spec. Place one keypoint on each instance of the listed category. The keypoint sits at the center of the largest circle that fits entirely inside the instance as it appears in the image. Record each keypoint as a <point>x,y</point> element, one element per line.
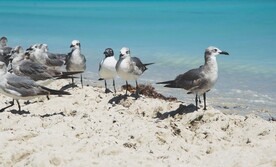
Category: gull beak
<point>71,46</point>
<point>224,53</point>
<point>28,49</point>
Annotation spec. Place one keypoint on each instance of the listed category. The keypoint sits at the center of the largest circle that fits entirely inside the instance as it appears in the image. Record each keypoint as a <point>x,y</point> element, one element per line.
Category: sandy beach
<point>91,128</point>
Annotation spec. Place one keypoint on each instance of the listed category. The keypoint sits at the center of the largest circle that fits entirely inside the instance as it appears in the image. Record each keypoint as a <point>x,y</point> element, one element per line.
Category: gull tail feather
<point>170,84</point>
<point>67,75</point>
<point>147,64</point>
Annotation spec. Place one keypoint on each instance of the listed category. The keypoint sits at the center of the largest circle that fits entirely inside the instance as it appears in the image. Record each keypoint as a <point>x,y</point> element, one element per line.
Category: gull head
<point>75,44</point>
<point>33,47</point>
<point>17,54</point>
<point>17,49</point>
<point>108,52</point>
<point>3,41</point>
<point>214,51</point>
<point>124,51</point>
<point>44,47</point>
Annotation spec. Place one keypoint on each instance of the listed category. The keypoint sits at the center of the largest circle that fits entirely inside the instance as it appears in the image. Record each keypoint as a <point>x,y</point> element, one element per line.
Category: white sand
<point>85,130</point>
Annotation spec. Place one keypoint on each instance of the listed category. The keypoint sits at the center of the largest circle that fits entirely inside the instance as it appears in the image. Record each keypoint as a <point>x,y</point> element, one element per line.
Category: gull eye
<point>127,52</point>
<point>215,50</point>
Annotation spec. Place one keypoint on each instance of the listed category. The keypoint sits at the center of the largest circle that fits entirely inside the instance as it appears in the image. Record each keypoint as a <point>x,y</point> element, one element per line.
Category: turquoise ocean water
<point>173,34</point>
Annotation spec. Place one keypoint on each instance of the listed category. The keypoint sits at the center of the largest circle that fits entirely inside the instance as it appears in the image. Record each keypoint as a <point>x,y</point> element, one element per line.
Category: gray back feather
<point>139,64</point>
<point>34,70</point>
<point>24,86</point>
<point>190,80</point>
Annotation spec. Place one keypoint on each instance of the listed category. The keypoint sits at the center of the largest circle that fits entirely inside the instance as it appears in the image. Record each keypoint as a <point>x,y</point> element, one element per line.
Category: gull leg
<point>11,104</point>
<point>19,108</point>
<point>137,88</point>
<point>114,86</point>
<point>81,82</point>
<point>72,85</point>
<point>105,85</point>
<point>106,89</point>
<point>204,99</point>
<point>73,82</point>
<point>196,100</point>
<point>126,87</point>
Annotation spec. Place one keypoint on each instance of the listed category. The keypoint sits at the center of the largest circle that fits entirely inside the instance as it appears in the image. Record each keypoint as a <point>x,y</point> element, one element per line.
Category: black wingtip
<point>100,79</point>
<point>171,86</point>
<point>71,72</point>
<point>56,92</point>
<point>66,77</point>
<point>147,64</point>
<point>165,82</point>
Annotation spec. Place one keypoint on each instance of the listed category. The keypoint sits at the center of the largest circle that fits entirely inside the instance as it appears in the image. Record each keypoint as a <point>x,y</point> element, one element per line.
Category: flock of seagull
<point>196,81</point>
<point>24,74</point>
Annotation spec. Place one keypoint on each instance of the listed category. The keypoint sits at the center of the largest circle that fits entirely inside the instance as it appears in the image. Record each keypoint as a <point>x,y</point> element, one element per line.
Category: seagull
<point>130,68</point>
<point>4,50</point>
<point>107,68</point>
<point>200,80</point>
<point>75,61</point>
<point>21,87</point>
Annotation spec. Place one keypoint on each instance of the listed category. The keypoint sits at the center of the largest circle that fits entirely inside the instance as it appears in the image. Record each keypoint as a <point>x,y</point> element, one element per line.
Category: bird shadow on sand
<point>107,91</point>
<point>13,111</point>
<point>50,115</point>
<point>21,112</point>
<point>119,98</point>
<point>181,110</point>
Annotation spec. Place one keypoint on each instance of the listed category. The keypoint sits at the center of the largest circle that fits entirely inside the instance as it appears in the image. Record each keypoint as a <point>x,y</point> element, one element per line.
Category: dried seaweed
<point>148,91</point>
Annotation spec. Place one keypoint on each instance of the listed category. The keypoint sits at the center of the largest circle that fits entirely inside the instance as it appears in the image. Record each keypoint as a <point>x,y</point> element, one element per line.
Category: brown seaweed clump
<point>148,91</point>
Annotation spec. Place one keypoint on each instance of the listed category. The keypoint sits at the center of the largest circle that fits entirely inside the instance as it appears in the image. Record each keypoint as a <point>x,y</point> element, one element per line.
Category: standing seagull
<point>20,87</point>
<point>200,80</point>
<point>130,68</point>
<point>75,61</point>
<point>107,68</point>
